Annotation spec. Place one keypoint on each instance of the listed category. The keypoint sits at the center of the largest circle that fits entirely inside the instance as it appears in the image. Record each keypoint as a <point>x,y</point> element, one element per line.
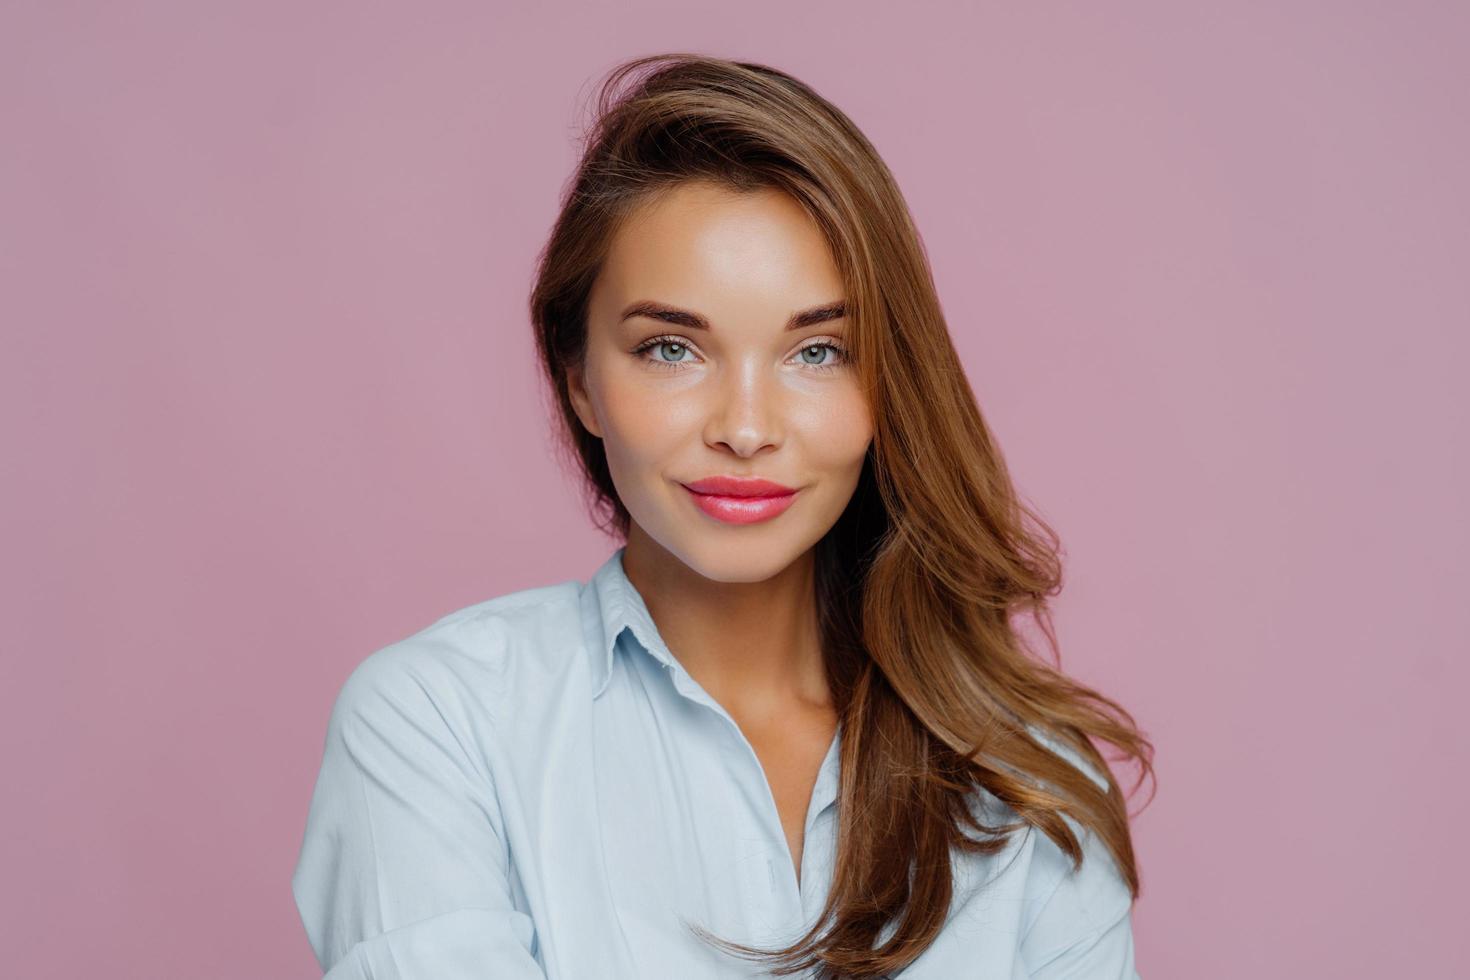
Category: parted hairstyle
<point>925,578</point>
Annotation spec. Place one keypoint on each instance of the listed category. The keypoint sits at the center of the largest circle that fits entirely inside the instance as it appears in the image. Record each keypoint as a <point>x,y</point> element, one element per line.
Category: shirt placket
<point>793,904</point>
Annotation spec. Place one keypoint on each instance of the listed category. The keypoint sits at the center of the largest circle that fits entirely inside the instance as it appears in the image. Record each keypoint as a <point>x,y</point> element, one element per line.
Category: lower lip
<point>741,510</point>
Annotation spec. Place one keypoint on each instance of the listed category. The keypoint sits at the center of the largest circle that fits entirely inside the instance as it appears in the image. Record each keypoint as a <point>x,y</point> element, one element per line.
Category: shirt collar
<point>612,606</point>
<point>616,604</point>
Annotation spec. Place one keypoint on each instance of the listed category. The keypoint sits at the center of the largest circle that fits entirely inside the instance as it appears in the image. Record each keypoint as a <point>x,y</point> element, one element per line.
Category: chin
<point>742,554</point>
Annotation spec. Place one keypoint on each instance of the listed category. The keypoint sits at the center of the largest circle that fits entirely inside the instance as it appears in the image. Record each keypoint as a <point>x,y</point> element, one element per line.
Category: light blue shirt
<point>534,787</point>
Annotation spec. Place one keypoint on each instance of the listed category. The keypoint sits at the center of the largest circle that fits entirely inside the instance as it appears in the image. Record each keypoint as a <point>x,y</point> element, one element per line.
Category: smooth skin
<point>745,397</point>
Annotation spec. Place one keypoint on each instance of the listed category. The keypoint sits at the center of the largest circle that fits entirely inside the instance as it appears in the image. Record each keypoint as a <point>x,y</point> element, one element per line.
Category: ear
<point>581,403</point>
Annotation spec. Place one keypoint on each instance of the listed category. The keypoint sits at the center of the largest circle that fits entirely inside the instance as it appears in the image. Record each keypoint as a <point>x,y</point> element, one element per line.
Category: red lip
<point>740,499</point>
<point>739,486</point>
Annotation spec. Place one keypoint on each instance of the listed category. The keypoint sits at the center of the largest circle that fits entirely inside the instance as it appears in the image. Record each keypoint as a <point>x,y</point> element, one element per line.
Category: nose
<point>746,413</point>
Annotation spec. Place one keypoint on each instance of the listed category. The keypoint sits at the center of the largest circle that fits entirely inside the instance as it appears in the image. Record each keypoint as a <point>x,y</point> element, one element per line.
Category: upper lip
<point>739,486</point>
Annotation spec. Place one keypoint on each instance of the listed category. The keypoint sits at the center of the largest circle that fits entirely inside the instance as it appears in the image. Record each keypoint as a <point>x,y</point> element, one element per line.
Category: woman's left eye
<point>813,355</point>
<point>821,347</point>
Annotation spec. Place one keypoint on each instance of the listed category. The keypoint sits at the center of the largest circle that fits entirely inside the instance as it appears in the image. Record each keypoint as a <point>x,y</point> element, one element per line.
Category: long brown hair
<point>926,576</point>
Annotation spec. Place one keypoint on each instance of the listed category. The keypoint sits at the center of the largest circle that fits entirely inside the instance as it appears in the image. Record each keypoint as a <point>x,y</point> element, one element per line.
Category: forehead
<point>697,241</point>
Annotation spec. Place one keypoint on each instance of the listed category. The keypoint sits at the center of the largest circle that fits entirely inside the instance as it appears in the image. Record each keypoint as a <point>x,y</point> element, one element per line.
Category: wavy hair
<point>926,577</point>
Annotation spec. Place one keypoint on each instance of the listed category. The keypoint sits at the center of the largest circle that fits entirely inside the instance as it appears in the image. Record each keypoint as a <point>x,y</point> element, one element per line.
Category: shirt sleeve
<point>403,870</point>
<point>1084,930</point>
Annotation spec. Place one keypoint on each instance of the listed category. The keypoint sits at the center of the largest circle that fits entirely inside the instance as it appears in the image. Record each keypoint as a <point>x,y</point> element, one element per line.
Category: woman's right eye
<point>672,347</point>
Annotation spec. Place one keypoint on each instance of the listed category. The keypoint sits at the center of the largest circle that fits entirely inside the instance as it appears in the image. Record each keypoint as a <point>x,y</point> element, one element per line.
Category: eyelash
<point>653,342</point>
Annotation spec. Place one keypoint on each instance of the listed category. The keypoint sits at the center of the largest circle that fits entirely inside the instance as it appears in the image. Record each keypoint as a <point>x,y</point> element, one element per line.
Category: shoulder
<point>1063,900</point>
<point>1090,896</point>
<point>463,665</point>
<point>1077,921</point>
<point>1059,901</point>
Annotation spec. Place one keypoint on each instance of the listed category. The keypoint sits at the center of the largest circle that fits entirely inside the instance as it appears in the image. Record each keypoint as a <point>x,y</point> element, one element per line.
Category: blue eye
<point>837,353</point>
<point>677,347</point>
<point>667,345</point>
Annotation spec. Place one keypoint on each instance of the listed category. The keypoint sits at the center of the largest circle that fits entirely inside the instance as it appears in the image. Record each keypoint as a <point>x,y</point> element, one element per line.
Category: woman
<point>790,720</point>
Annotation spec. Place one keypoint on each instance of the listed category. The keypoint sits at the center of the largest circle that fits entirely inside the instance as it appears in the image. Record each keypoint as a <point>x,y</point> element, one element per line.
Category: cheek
<point>642,423</point>
<point>838,430</point>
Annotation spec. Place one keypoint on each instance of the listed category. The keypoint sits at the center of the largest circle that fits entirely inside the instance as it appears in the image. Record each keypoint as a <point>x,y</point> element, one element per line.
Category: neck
<point>754,646</point>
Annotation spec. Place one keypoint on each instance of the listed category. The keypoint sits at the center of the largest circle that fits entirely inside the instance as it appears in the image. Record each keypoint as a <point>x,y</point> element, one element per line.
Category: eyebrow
<point>688,318</point>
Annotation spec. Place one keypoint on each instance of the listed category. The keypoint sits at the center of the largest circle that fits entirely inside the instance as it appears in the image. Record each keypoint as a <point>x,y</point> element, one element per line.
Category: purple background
<point>268,400</point>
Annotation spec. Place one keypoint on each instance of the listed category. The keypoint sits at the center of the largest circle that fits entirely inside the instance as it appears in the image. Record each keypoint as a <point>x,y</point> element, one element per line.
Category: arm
<point>403,872</point>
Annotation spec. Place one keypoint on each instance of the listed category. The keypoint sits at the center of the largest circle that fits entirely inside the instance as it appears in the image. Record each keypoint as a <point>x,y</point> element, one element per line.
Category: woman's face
<point>720,383</point>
